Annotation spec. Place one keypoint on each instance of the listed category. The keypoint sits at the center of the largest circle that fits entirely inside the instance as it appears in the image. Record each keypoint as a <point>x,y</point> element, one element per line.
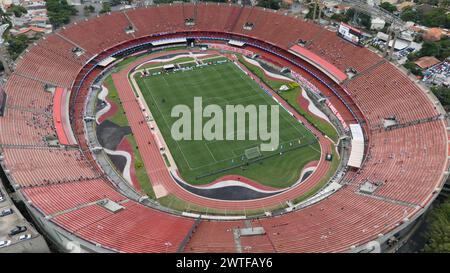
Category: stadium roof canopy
<point>169,41</point>
<point>236,43</point>
<point>357,153</point>
<point>329,69</point>
<point>106,61</point>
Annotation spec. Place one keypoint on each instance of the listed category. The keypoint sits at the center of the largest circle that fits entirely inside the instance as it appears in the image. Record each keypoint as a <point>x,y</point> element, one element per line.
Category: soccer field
<point>202,161</point>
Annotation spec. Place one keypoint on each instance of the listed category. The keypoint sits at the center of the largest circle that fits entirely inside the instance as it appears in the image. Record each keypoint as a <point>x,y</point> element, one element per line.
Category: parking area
<point>14,228</point>
<point>438,74</point>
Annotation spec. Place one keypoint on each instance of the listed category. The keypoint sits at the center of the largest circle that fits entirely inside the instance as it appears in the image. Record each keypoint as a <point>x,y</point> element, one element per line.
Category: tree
<point>339,18</point>
<point>418,38</point>
<point>106,7</point>
<point>444,48</point>
<point>429,49</point>
<point>310,14</point>
<point>439,227</point>
<point>59,12</point>
<point>271,4</point>
<point>437,17</point>
<point>412,67</point>
<point>5,17</point>
<point>350,13</point>
<point>115,2</point>
<point>434,17</point>
<point>409,14</point>
<point>443,95</point>
<point>16,45</point>
<point>365,20</point>
<point>17,10</point>
<point>439,49</point>
<point>388,6</point>
<point>88,10</point>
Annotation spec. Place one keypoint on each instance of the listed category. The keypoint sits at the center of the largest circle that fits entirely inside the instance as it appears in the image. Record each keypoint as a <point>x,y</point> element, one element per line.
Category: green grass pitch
<point>201,161</point>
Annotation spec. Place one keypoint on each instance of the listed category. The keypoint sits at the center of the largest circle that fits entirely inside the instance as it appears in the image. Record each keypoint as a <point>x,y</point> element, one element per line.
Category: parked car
<point>24,237</point>
<point>4,243</point>
<point>2,198</point>
<point>6,212</point>
<point>17,230</point>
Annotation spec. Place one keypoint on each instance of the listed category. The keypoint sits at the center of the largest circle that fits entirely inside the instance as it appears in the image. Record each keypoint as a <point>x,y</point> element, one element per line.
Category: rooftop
<point>426,62</point>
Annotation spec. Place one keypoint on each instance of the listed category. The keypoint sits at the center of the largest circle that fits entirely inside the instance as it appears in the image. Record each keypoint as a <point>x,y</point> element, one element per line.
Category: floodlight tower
<point>3,54</point>
<point>315,9</point>
<point>317,5</point>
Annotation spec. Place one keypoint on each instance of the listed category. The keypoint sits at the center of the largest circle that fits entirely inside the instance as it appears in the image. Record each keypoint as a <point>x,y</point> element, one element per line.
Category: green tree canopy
<point>106,7</point>
<point>434,17</point>
<point>443,94</point>
<point>17,10</point>
<point>16,45</point>
<point>271,4</point>
<point>439,225</point>
<point>59,12</point>
<point>388,6</point>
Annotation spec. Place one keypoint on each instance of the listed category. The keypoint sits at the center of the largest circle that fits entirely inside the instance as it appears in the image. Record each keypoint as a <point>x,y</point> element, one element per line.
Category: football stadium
<point>89,156</point>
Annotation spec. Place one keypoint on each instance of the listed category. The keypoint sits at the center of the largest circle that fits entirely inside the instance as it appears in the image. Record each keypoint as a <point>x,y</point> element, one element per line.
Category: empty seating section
<point>233,17</point>
<point>305,31</point>
<point>214,236</point>
<point>64,48</point>
<point>260,19</point>
<point>211,17</point>
<point>42,64</point>
<point>343,220</point>
<point>285,30</point>
<point>138,229</point>
<point>342,53</point>
<point>29,94</point>
<point>60,197</point>
<point>76,219</point>
<point>256,244</point>
<point>241,20</point>
<point>25,127</point>
<point>66,185</point>
<point>99,33</point>
<point>147,21</point>
<point>386,92</point>
<point>273,27</point>
<point>41,166</point>
<point>175,13</point>
<point>407,162</point>
<point>188,11</point>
